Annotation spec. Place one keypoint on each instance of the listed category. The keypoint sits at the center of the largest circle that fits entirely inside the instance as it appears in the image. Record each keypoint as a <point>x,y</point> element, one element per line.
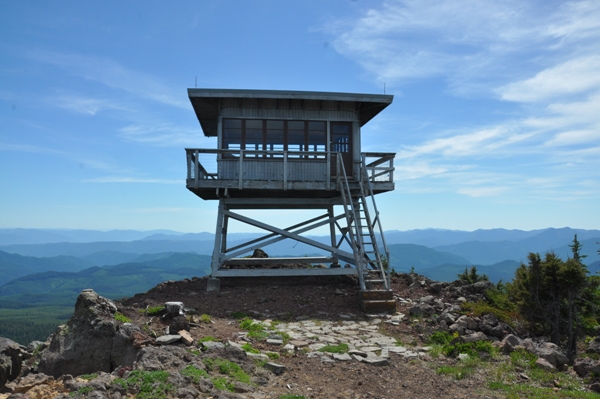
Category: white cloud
<point>29,148</point>
<point>112,74</point>
<point>476,143</point>
<point>84,105</point>
<point>571,77</point>
<point>417,170</point>
<point>482,191</point>
<point>574,137</point>
<point>164,135</point>
<point>473,45</point>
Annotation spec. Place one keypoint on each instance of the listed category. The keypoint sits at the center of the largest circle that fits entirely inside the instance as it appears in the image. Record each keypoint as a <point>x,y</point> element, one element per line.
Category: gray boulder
<point>594,345</point>
<point>510,343</point>
<point>91,341</point>
<point>552,354</point>
<point>166,357</point>
<point>421,310</point>
<point>10,361</point>
<point>586,365</point>
<point>124,345</point>
<point>477,336</point>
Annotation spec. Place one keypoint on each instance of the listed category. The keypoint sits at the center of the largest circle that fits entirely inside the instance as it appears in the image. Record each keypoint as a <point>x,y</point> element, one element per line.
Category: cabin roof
<point>206,102</point>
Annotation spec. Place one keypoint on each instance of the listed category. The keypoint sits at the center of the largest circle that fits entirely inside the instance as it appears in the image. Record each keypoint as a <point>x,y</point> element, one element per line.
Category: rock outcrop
<point>91,341</point>
<point>11,360</point>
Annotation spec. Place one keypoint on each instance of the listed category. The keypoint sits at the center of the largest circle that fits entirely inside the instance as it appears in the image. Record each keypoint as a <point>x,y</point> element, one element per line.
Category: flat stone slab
<point>168,339</point>
<point>316,347</point>
<point>342,356</point>
<point>273,341</point>
<point>358,353</point>
<point>275,368</point>
<point>369,348</point>
<point>259,356</point>
<point>395,349</point>
<point>213,345</point>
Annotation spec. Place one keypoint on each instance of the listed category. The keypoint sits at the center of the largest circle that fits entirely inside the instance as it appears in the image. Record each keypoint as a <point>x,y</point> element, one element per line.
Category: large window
<point>275,135</point>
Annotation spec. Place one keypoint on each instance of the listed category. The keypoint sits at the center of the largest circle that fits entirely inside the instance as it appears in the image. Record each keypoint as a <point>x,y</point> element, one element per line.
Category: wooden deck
<point>217,174</point>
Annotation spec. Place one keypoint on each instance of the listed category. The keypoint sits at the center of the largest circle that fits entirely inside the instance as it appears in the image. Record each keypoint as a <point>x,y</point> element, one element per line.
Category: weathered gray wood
<point>283,272</point>
<point>344,255</point>
<point>262,239</point>
<point>276,261</point>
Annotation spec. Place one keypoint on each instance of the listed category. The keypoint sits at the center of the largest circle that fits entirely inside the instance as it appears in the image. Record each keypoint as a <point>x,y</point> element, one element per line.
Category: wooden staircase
<point>364,227</point>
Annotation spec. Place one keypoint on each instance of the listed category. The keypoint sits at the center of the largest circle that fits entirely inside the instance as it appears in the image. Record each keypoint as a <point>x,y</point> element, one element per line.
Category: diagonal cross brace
<point>346,256</point>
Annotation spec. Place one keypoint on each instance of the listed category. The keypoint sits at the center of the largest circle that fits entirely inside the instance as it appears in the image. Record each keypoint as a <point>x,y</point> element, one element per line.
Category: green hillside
<point>504,271</point>
<point>13,266</point>
<point>31,307</point>
<point>403,257</point>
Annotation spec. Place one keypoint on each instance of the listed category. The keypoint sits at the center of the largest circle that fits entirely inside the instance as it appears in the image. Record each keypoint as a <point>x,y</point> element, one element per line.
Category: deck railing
<point>283,166</point>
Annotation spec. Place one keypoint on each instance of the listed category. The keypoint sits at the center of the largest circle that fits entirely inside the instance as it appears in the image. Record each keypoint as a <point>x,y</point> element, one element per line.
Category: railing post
<point>285,170</point>
<point>196,166</point>
<point>189,161</point>
<point>241,172</point>
<point>328,170</point>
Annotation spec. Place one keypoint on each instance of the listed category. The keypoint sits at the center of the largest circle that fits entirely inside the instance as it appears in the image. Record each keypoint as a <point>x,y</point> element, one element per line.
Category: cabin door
<point>341,141</point>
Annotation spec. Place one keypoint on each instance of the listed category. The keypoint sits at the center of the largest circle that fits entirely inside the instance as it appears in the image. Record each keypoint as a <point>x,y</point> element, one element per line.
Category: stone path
<point>365,342</point>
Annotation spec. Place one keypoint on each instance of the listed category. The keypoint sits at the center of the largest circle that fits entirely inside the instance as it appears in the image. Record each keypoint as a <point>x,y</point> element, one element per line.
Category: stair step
<point>386,306</point>
<point>376,295</point>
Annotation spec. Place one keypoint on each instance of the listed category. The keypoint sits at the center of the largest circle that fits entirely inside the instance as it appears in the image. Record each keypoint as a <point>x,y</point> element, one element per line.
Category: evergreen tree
<point>471,276</point>
<point>553,295</point>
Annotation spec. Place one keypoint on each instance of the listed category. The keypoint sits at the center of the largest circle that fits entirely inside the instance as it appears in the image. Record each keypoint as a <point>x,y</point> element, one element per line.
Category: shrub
<point>440,338</point>
<point>154,310</point>
<point>194,372</point>
<point>122,318</point>
<point>148,384</point>
<point>248,348</point>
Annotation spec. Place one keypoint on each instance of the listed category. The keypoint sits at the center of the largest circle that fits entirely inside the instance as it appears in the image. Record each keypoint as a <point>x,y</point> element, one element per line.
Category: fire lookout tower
<point>290,150</point>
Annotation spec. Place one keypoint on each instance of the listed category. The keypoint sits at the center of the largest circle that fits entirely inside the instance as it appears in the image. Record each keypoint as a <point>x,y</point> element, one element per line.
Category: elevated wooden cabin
<point>292,150</point>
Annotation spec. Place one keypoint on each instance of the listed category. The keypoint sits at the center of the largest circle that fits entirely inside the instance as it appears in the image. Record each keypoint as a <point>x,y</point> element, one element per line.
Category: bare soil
<point>325,298</point>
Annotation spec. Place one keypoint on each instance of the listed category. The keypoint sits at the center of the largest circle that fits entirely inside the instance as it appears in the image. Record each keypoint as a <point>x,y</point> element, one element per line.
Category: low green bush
<point>148,384</point>
<point>122,318</point>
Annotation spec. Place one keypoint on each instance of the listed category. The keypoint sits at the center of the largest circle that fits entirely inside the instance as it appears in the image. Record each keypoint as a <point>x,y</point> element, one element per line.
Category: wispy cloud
<point>163,135</point>
<point>469,43</point>
<point>29,148</point>
<point>575,76</point>
<point>83,160</point>
<point>82,104</point>
<point>112,74</point>
<point>542,60</point>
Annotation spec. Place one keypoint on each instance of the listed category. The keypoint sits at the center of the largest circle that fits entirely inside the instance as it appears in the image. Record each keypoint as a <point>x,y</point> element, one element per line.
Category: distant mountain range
<point>117,281</point>
<point>480,247</point>
<point>42,271</point>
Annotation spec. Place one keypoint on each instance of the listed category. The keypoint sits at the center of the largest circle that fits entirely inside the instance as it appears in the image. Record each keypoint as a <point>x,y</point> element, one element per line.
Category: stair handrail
<point>365,178</point>
<point>357,247</point>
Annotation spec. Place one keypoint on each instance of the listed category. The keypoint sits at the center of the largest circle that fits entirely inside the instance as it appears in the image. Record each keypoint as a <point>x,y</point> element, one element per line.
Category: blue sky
<point>495,119</point>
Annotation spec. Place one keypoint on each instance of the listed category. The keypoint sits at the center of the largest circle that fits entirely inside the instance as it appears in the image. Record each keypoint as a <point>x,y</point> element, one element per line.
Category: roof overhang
<point>207,102</point>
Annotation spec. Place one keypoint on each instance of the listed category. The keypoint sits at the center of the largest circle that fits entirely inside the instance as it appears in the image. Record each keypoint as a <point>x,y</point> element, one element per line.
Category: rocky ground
<point>388,355</point>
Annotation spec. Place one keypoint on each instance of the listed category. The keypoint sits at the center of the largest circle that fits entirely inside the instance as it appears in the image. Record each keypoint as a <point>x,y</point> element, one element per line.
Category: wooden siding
<point>297,114</point>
